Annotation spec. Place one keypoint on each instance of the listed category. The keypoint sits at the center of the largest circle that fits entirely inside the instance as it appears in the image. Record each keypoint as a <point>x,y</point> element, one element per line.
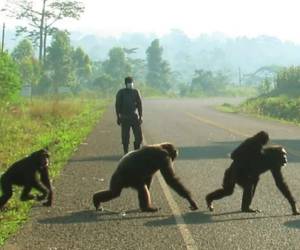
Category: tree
<point>117,65</point>
<point>288,79</point>
<point>41,16</point>
<point>10,84</point>
<point>59,64</point>
<point>159,71</point>
<point>105,83</point>
<point>29,66</point>
<point>82,64</point>
<point>208,82</point>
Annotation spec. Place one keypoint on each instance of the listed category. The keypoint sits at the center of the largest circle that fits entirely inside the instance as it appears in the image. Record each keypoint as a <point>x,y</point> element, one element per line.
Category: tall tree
<point>41,16</point>
<point>59,64</point>
<point>29,66</point>
<point>117,65</point>
<point>159,71</point>
<point>82,64</point>
<point>10,84</point>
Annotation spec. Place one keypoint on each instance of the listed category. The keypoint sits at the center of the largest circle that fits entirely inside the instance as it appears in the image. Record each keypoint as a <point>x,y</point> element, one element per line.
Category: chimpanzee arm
<point>283,187</point>
<point>174,182</point>
<point>46,182</point>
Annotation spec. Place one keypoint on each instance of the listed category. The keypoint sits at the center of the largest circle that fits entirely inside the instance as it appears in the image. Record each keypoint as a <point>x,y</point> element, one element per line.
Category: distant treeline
<point>214,52</point>
<point>176,64</point>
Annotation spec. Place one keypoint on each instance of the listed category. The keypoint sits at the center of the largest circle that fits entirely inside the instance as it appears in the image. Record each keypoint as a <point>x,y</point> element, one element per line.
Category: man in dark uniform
<point>129,114</point>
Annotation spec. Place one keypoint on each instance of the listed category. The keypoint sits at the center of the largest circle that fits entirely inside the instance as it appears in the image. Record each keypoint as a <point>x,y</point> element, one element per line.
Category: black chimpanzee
<point>136,170</point>
<point>23,173</point>
<point>272,158</point>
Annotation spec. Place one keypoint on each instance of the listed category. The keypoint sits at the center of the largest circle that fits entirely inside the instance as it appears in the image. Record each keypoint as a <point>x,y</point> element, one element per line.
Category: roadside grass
<point>30,125</point>
<point>227,107</point>
<point>281,108</point>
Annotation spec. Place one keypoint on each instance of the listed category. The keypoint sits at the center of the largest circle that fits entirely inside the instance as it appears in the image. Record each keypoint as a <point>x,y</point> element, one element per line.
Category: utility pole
<point>3,36</point>
<point>240,77</point>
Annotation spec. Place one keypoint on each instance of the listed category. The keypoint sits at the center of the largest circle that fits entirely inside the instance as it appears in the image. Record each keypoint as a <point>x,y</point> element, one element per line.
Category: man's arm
<point>139,104</point>
<point>118,106</point>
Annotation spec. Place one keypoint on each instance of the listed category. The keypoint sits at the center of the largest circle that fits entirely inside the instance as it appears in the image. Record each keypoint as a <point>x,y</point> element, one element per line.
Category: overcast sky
<point>279,18</point>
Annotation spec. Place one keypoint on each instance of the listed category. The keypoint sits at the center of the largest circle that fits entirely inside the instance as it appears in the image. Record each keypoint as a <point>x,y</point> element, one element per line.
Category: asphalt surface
<point>204,137</point>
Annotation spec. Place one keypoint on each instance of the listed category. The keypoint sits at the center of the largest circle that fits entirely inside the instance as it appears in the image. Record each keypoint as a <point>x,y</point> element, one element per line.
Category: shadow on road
<point>206,218</point>
<point>293,224</point>
<point>218,150</point>
<point>115,158</point>
<point>221,150</point>
<point>92,216</point>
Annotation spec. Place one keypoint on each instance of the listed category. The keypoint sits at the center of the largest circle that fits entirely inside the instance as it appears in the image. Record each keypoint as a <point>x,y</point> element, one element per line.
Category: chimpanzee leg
<point>25,196</point>
<point>6,188</point>
<point>228,188</point>
<point>148,182</point>
<point>41,189</point>
<point>254,186</point>
<point>145,199</point>
<point>248,194</point>
<point>113,192</point>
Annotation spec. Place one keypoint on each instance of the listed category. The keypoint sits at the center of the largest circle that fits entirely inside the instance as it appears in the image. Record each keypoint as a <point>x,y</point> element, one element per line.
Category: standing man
<point>129,114</point>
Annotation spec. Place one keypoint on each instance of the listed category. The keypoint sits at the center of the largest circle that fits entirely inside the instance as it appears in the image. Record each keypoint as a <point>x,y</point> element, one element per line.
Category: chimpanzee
<point>23,173</point>
<point>136,170</point>
<point>272,158</point>
<point>249,152</point>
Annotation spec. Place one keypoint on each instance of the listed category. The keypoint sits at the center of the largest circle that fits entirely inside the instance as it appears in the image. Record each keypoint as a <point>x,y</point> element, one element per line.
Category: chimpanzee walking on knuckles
<point>251,159</point>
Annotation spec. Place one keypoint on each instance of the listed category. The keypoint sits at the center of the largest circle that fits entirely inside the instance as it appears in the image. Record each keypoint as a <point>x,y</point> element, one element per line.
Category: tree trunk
<point>45,44</point>
<point>42,32</point>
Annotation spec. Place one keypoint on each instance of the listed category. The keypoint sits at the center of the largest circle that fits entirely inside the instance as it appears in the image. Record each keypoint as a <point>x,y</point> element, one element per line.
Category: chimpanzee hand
<point>295,210</point>
<point>47,203</point>
<point>193,205</point>
<point>40,197</point>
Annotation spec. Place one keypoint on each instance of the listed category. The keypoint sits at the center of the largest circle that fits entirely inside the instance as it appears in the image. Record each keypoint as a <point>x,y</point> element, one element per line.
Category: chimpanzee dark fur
<point>272,158</point>
<point>23,173</point>
<point>136,170</point>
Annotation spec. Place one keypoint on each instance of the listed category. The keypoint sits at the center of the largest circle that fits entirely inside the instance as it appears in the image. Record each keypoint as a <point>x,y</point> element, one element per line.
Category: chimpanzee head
<point>262,137</point>
<point>276,155</point>
<point>170,148</point>
<point>41,157</point>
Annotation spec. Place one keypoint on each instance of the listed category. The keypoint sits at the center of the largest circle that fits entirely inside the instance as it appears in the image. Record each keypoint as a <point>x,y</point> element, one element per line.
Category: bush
<point>10,84</point>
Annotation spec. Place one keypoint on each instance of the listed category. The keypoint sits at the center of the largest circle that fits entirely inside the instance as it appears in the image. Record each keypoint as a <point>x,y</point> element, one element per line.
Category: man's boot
<point>136,145</point>
<point>125,148</point>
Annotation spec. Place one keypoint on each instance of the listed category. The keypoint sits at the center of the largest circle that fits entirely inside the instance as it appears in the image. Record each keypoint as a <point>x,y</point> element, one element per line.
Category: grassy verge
<point>282,108</point>
<point>31,125</point>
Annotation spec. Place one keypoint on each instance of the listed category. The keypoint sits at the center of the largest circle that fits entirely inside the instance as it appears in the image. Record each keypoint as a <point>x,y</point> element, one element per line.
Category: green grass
<point>282,108</point>
<point>228,108</point>
<point>31,125</point>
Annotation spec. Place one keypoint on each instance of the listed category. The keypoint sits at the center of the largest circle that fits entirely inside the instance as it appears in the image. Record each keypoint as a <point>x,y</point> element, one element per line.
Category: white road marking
<point>185,233</point>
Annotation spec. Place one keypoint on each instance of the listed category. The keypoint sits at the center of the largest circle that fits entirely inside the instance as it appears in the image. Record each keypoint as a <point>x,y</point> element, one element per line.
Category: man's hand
<point>141,120</point>
<point>118,121</point>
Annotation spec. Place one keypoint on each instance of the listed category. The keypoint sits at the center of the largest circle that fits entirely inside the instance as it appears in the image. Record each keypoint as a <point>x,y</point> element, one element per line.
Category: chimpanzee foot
<point>250,210</point>
<point>47,203</point>
<point>149,209</point>
<point>40,197</point>
<point>96,203</point>
<point>296,211</point>
<point>27,197</point>
<point>209,204</point>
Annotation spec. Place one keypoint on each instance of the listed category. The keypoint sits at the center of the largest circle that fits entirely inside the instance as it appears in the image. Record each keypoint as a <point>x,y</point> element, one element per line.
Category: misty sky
<point>250,18</point>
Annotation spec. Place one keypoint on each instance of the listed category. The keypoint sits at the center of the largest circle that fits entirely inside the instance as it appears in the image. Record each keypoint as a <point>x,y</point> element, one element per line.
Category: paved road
<point>204,137</point>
